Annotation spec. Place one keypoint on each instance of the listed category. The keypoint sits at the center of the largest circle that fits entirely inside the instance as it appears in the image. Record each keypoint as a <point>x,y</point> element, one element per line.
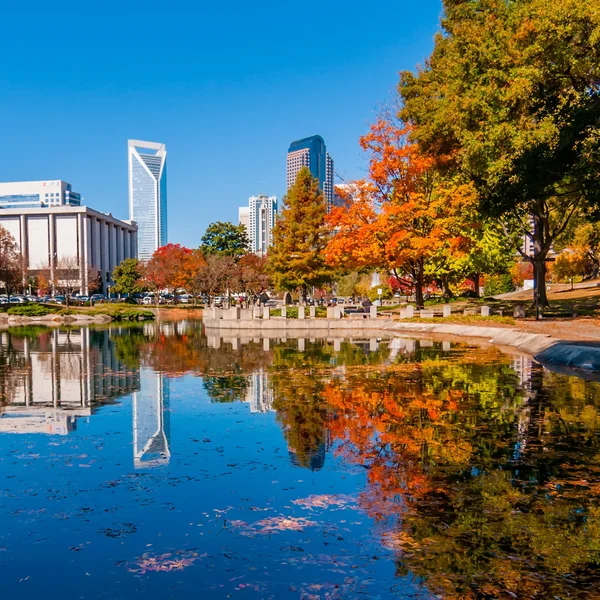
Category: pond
<point>157,462</point>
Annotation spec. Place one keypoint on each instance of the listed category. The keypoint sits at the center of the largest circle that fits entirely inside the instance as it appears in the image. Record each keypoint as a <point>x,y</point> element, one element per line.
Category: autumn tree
<point>218,275</point>
<point>225,239</point>
<point>11,272</point>
<point>194,265</point>
<point>252,274</point>
<point>166,269</point>
<point>128,277</point>
<point>570,265</point>
<point>67,276</point>
<point>407,218</point>
<point>296,260</point>
<point>510,98</point>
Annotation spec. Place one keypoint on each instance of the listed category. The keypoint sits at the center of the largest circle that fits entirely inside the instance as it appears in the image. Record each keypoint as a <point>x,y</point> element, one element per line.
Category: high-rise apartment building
<point>311,152</point>
<point>37,194</point>
<point>148,194</point>
<point>259,219</point>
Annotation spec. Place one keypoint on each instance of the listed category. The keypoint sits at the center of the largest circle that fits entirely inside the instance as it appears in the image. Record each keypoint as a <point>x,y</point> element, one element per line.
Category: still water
<point>158,463</point>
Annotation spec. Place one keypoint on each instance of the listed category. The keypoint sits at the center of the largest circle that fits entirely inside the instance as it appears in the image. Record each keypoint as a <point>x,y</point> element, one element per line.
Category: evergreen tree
<point>296,259</point>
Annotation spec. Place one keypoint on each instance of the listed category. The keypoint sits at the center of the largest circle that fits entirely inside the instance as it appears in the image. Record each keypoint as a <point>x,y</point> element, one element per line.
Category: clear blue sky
<point>227,87</point>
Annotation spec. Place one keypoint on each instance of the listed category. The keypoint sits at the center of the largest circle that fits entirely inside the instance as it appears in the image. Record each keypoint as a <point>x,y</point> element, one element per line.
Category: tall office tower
<point>261,216</point>
<point>311,152</point>
<point>148,194</point>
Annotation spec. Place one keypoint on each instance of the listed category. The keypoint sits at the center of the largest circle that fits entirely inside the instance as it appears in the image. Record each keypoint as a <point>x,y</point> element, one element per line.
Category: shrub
<point>30,310</point>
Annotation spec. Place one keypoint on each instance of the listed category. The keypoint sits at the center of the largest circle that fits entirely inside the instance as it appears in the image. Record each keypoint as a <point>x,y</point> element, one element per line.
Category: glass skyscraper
<point>311,152</point>
<point>148,194</point>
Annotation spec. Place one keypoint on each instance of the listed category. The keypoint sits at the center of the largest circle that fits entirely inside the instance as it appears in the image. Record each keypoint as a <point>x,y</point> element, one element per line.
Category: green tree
<point>296,259</point>
<point>347,284</point>
<point>225,239</point>
<point>510,97</point>
<point>128,277</point>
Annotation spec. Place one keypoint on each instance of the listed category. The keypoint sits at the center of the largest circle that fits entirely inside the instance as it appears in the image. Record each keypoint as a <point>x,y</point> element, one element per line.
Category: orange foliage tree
<point>406,218</point>
<point>167,268</point>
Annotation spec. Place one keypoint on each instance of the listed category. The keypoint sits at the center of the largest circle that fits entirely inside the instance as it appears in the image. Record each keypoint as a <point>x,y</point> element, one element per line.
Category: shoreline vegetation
<point>51,314</point>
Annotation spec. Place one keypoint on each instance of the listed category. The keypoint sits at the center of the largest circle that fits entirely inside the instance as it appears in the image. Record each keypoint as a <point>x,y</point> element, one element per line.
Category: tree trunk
<point>418,279</point>
<point>476,284</point>
<point>539,280</point>
<point>446,291</point>
<point>540,252</point>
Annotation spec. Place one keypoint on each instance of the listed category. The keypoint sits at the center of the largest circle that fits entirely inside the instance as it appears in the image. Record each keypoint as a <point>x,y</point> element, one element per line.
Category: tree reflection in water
<point>482,488</point>
<point>483,479</point>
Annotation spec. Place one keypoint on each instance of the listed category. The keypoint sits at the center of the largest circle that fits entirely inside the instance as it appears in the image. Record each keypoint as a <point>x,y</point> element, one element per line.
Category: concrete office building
<point>311,152</point>
<point>244,217</point>
<point>37,194</point>
<point>47,236</point>
<point>148,194</point>
<point>259,219</point>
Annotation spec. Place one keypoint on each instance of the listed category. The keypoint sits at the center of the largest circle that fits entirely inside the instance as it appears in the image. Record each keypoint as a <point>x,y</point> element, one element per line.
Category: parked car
<point>17,300</point>
<point>97,298</point>
<point>59,300</point>
<point>183,298</point>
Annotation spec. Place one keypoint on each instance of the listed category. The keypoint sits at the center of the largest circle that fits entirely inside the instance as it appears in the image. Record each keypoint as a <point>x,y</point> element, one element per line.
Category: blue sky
<point>227,87</point>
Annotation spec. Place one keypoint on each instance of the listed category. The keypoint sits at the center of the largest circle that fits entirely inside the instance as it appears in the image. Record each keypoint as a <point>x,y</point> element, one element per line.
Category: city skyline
<point>201,100</point>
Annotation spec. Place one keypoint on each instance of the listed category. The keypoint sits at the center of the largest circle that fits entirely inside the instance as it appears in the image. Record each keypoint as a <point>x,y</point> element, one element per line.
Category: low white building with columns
<point>47,235</point>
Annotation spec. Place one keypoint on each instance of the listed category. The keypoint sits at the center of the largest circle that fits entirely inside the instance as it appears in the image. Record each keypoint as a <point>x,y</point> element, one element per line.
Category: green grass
<point>292,312</point>
<point>118,312</point>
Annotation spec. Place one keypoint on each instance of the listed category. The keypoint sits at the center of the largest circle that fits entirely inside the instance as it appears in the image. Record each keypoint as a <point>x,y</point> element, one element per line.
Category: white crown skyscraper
<point>148,194</point>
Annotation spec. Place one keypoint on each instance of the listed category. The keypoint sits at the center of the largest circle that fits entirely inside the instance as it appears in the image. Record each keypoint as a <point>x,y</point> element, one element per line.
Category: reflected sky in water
<point>157,462</point>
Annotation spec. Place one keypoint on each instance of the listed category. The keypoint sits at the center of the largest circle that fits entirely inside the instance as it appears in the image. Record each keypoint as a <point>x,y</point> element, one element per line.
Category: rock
<point>519,312</point>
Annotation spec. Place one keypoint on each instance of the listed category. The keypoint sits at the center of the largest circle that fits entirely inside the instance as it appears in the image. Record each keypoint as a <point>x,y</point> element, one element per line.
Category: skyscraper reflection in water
<point>151,420</point>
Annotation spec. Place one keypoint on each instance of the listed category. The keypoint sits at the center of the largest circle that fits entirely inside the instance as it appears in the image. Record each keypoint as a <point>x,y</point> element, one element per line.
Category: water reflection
<point>53,377</point>
<point>472,473</point>
<point>151,420</point>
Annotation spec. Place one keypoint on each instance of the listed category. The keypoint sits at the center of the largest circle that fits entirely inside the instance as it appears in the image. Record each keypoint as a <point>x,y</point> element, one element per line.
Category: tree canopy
<point>510,97</point>
<point>225,239</point>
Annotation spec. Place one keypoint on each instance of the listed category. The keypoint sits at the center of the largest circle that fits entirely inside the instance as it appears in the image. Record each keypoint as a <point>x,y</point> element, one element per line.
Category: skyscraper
<point>148,194</point>
<point>259,219</point>
<point>311,152</point>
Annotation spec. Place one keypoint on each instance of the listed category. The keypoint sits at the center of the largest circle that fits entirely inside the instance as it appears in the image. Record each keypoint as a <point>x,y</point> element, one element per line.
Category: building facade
<point>91,240</point>
<point>148,194</point>
<point>259,219</point>
<point>311,152</point>
<point>38,194</point>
